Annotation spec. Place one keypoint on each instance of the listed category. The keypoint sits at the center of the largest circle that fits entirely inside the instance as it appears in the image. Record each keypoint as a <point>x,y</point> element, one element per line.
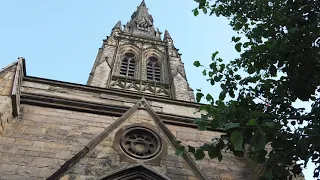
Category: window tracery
<point>153,69</point>
<point>128,65</point>
<point>140,143</point>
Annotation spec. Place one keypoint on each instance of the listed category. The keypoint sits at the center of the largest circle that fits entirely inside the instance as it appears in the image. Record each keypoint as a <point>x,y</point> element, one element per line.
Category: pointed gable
<point>135,172</point>
<point>106,153</point>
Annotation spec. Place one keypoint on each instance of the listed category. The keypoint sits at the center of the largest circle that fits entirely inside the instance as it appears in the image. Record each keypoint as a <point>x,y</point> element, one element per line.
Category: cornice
<point>99,90</point>
<point>102,109</point>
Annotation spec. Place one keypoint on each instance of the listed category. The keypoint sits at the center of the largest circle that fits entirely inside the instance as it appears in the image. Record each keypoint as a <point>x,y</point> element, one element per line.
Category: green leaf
<point>202,125</point>
<point>268,174</point>
<point>204,72</point>
<point>212,82</point>
<point>195,12</point>
<point>205,147</point>
<point>236,39</point>
<point>252,122</point>
<point>213,56</point>
<point>199,154</point>
<point>196,120</point>
<point>220,157</point>
<point>238,47</point>
<point>273,70</point>
<point>213,152</point>
<point>196,64</point>
<point>199,96</point>
<point>180,150</point>
<point>237,140</point>
<point>204,10</point>
<point>222,95</point>
<point>209,97</point>
<point>215,124</point>
<point>191,149</point>
<point>231,93</point>
<point>222,67</point>
<point>259,141</point>
<point>231,125</point>
<point>251,69</point>
<point>238,26</point>
<point>237,77</point>
<point>246,44</point>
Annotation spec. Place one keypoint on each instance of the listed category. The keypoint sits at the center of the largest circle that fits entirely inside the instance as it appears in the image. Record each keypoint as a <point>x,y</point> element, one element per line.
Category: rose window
<point>140,143</point>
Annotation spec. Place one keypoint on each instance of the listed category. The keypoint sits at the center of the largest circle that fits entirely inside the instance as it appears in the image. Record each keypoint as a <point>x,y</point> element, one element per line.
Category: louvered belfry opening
<point>153,69</point>
<point>128,65</point>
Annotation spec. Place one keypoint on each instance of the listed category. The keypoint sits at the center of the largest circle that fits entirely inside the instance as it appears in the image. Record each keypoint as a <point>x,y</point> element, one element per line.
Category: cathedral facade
<point>124,124</point>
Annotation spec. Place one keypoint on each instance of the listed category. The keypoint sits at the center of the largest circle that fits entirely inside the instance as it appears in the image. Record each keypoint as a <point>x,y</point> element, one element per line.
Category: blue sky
<point>60,39</point>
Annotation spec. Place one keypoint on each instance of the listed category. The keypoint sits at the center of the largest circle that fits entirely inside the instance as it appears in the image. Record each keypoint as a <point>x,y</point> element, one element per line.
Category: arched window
<point>153,69</point>
<point>128,65</point>
<point>139,172</point>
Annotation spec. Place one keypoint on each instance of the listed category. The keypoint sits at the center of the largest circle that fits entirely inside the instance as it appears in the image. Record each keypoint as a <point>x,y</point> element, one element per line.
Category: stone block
<point>8,149</point>
<point>27,171</point>
<point>45,172</point>
<point>23,142</point>
<point>35,131</point>
<point>63,155</point>
<point>32,153</point>
<point>53,145</point>
<point>8,75</point>
<point>226,176</point>
<point>6,91</point>
<point>6,140</point>
<point>44,162</point>
<point>8,168</point>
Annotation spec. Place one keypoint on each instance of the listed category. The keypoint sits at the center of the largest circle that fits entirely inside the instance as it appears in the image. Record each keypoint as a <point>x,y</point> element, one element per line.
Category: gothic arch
<point>123,52</point>
<point>154,54</point>
<point>139,172</point>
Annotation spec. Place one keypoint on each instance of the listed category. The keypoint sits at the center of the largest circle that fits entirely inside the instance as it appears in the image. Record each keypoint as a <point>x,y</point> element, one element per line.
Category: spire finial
<point>117,26</point>
<point>166,35</point>
<point>143,3</point>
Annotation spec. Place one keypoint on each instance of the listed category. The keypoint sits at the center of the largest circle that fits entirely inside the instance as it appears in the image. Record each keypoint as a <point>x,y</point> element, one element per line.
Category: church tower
<point>128,122</point>
<point>134,58</point>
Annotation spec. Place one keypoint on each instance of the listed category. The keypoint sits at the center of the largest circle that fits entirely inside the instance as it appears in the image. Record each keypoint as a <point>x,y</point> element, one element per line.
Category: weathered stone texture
<point>104,159</point>
<point>6,83</point>
<point>42,139</point>
<point>6,80</point>
<point>101,75</point>
<point>5,112</point>
<point>107,99</point>
<point>101,70</point>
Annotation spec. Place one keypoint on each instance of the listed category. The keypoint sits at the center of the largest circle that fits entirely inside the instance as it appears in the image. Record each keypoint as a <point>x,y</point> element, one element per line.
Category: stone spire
<point>117,26</point>
<point>141,23</point>
<point>167,35</point>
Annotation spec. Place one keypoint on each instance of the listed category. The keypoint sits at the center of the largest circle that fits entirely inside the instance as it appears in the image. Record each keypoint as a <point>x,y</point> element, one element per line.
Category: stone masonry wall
<point>6,83</point>
<point>42,139</point>
<point>104,159</point>
<point>108,99</point>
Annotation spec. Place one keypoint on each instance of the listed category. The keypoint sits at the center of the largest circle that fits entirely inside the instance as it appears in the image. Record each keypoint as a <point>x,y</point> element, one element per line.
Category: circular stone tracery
<point>140,143</point>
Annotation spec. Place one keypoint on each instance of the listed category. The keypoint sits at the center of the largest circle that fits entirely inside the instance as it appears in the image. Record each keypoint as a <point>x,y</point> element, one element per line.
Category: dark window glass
<point>128,65</point>
<point>153,69</point>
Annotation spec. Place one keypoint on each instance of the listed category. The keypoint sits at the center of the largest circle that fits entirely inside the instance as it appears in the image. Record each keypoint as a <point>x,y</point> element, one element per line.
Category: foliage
<point>279,64</point>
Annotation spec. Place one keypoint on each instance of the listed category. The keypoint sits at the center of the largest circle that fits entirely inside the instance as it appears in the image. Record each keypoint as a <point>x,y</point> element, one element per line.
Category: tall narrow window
<point>153,69</point>
<point>128,65</point>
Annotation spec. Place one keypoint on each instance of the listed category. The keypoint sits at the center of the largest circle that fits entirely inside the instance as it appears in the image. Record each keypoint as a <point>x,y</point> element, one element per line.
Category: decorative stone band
<point>139,86</point>
<point>129,36</point>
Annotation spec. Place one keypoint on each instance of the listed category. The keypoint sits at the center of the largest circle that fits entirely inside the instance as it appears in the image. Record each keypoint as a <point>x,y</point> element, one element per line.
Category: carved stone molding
<point>130,140</point>
<point>140,143</point>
